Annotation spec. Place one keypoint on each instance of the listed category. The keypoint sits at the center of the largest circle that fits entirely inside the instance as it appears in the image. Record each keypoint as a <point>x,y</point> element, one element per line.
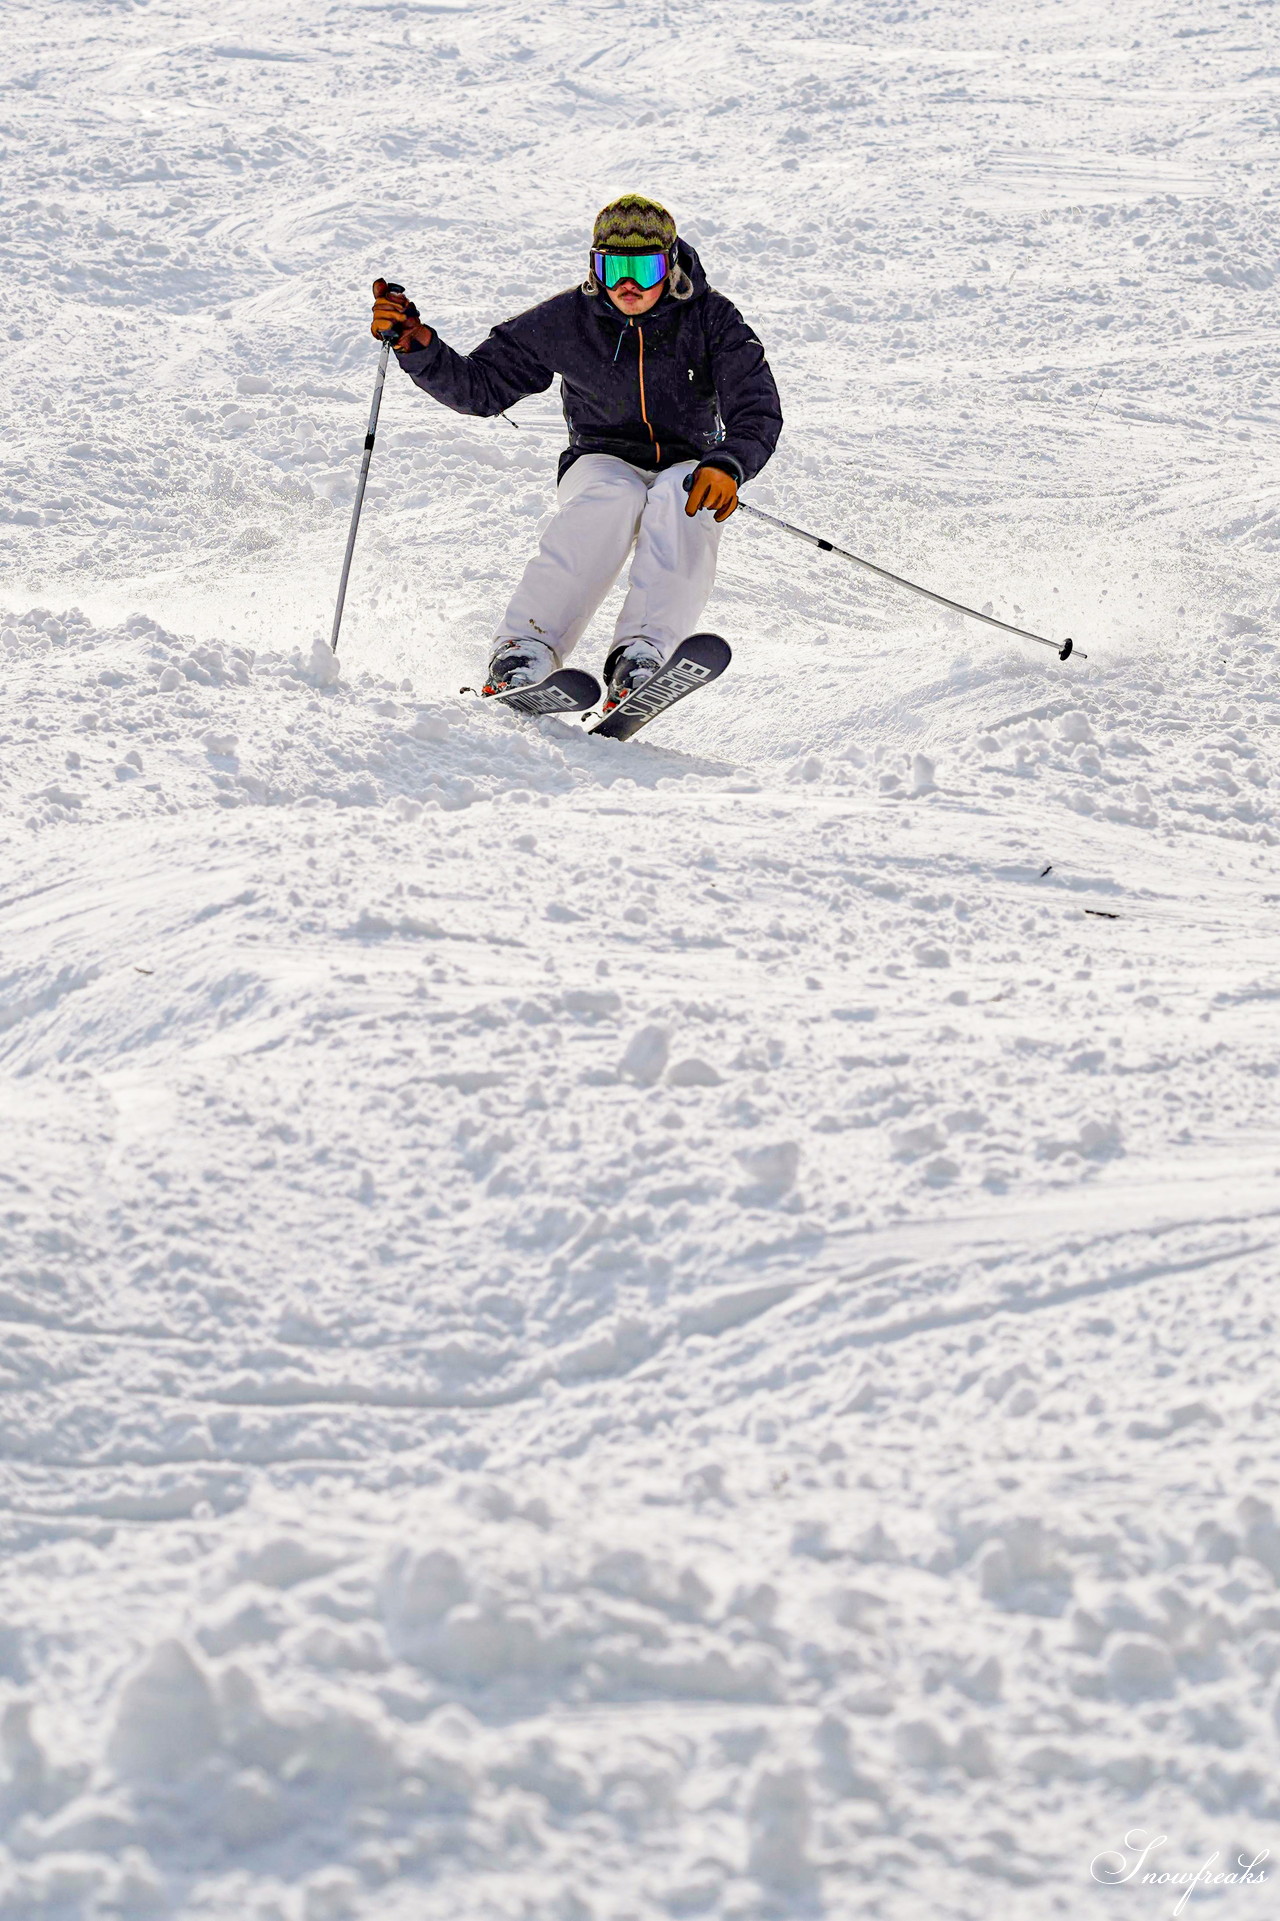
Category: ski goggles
<point>646,269</point>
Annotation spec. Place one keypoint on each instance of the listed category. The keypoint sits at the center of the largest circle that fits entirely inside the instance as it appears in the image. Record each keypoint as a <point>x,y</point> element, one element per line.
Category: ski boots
<point>627,666</point>
<point>519,663</point>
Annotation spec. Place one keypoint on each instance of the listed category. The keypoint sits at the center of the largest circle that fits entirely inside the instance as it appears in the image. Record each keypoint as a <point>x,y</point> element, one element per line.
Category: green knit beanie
<point>634,225</point>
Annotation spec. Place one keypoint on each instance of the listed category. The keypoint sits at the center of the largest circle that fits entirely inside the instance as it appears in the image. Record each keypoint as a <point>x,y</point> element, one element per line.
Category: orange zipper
<point>657,450</point>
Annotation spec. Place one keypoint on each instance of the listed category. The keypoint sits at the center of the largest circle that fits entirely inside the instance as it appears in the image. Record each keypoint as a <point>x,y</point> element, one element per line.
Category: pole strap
<point>1062,649</point>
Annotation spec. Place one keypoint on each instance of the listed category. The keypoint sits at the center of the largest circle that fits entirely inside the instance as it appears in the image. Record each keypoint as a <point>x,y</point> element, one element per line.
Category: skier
<point>661,378</point>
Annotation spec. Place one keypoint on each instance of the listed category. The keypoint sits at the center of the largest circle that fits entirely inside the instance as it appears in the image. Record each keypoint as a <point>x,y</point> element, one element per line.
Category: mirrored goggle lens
<point>646,269</point>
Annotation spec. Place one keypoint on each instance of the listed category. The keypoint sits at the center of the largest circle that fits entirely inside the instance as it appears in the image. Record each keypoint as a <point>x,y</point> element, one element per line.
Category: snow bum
<point>650,388</point>
<point>663,385</point>
<point>1115,1869</point>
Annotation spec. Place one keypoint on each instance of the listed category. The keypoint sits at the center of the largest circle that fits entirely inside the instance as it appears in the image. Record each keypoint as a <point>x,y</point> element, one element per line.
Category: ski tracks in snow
<point>651,1331</point>
<point>541,1269</point>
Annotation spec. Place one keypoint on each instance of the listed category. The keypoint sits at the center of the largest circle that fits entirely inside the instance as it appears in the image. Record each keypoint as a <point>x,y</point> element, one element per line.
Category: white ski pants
<point>604,508</point>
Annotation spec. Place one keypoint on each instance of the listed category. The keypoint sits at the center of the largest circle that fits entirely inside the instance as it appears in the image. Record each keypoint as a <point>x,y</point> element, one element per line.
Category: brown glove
<point>712,487</point>
<point>397,310</point>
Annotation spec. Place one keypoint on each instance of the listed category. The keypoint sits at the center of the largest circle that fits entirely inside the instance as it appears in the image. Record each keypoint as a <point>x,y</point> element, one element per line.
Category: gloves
<point>397,310</point>
<point>712,487</point>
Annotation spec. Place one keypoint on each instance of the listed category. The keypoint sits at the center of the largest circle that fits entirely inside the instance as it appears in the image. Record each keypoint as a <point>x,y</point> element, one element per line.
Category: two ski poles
<point>1062,649</point>
<point>389,339</point>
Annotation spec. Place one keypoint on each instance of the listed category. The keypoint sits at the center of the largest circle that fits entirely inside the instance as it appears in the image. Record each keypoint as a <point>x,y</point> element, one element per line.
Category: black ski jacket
<point>685,381</point>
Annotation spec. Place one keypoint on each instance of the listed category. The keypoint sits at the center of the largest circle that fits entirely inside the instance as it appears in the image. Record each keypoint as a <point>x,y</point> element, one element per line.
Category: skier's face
<point>628,298</point>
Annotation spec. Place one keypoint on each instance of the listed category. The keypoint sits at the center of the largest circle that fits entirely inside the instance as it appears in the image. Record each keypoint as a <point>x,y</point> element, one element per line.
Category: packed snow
<point>604,1332</point>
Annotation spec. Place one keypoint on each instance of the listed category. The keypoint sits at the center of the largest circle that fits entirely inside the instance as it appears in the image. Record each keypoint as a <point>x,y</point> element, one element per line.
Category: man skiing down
<point>661,378</point>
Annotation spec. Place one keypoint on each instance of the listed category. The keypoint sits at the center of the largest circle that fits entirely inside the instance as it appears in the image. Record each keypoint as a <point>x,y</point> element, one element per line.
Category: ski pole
<point>388,339</point>
<point>926,593</point>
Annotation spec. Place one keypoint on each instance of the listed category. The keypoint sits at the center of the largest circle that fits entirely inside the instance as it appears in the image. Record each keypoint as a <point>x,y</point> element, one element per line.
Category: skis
<point>695,663</point>
<point>567,691</point>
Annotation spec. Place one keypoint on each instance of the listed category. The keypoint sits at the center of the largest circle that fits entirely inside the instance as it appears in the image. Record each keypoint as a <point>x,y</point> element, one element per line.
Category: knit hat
<point>633,224</point>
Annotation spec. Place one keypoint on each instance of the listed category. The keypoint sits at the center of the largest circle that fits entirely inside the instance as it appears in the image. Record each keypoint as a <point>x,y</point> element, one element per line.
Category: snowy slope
<point>679,1329</point>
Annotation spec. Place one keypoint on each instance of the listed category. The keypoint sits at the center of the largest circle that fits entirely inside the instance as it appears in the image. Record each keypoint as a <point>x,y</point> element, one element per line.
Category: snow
<point>617,1331</point>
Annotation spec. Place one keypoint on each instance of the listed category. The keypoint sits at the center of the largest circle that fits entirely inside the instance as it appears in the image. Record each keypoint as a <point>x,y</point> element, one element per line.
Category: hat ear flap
<point>681,285</point>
